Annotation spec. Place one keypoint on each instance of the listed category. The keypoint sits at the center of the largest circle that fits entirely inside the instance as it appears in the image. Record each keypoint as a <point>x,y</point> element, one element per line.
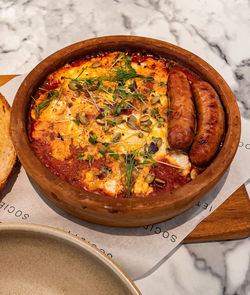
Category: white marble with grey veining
<point>216,30</point>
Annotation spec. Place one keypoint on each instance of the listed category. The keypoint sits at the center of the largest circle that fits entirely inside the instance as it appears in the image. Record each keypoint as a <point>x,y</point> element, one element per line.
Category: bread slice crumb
<point>7,151</point>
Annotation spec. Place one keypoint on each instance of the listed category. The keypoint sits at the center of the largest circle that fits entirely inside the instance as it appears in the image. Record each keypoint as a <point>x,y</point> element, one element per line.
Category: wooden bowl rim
<point>177,200</point>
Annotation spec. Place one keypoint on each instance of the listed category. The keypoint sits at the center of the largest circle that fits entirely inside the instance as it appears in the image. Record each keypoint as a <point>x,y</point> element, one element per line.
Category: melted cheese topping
<point>87,106</point>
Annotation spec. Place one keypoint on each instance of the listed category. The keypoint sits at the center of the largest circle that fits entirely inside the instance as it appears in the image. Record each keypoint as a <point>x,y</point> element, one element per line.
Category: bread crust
<point>7,151</point>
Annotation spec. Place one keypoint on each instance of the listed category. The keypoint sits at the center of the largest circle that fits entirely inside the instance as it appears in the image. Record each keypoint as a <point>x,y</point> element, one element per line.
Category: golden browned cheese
<point>100,123</point>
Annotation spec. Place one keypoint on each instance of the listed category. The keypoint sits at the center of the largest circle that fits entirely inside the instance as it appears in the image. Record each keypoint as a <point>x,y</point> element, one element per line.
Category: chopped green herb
<point>122,55</point>
<point>155,138</point>
<point>105,169</point>
<point>100,116</point>
<point>148,156</point>
<point>77,120</point>
<point>122,75</point>
<point>52,93</point>
<point>140,135</point>
<point>154,112</point>
<point>89,158</point>
<point>111,123</point>
<point>160,119</point>
<point>145,162</point>
<point>117,137</point>
<point>131,88</point>
<point>106,110</point>
<point>80,157</point>
<point>115,156</point>
<point>103,153</point>
<point>109,89</point>
<point>141,96</point>
<point>99,84</point>
<point>128,176</point>
<point>93,139</point>
<point>117,111</point>
<point>43,106</point>
<point>153,165</point>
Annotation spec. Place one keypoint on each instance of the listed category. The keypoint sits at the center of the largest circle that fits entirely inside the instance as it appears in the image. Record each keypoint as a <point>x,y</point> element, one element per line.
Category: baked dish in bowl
<point>125,131</point>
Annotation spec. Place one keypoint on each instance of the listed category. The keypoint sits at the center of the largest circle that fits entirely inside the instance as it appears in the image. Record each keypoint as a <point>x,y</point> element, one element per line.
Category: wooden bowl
<point>105,210</point>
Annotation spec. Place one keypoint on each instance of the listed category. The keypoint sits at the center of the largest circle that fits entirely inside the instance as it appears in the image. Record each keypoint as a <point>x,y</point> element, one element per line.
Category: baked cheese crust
<point>100,123</point>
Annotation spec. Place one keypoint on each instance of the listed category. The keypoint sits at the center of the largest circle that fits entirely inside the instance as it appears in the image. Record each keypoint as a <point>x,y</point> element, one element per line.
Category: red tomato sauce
<point>52,84</point>
<point>172,177</point>
<point>71,168</point>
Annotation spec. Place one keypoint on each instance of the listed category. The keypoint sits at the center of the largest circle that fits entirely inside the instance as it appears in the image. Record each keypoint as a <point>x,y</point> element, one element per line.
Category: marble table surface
<point>216,30</point>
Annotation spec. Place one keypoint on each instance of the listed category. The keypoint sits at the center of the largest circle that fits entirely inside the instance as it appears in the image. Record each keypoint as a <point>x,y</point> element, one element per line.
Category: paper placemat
<point>135,250</point>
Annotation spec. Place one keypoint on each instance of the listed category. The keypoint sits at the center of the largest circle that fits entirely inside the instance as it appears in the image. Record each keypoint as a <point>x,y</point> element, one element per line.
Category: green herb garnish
<point>105,169</point>
<point>122,75</point>
<point>115,156</point>
<point>52,94</point>
<point>155,138</point>
<point>111,123</point>
<point>80,157</point>
<point>43,106</point>
<point>117,137</point>
<point>154,112</point>
<point>93,139</point>
<point>90,158</point>
<point>128,176</point>
<point>77,120</point>
<point>108,89</point>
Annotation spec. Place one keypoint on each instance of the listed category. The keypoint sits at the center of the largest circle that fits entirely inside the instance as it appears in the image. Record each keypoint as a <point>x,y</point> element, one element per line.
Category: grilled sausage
<point>181,117</point>
<point>211,124</point>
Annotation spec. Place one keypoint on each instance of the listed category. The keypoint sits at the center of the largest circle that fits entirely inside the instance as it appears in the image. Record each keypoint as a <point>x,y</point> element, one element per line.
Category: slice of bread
<point>7,151</point>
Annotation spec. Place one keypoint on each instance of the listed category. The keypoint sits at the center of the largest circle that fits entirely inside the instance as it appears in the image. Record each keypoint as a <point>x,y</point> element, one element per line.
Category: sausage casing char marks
<point>181,116</point>
<point>211,124</point>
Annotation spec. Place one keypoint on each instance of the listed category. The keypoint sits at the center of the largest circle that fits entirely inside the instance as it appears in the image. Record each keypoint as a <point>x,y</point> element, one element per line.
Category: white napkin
<point>135,250</point>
